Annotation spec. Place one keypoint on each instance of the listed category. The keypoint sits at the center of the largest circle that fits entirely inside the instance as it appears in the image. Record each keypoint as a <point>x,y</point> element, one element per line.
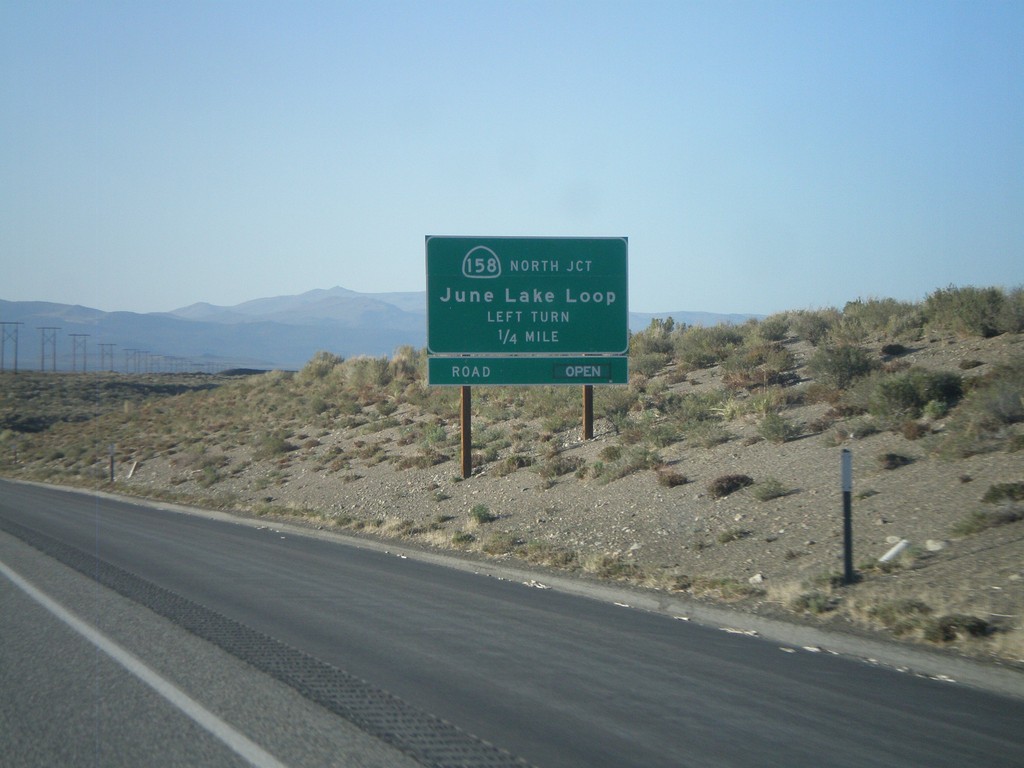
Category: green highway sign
<point>500,371</point>
<point>527,295</point>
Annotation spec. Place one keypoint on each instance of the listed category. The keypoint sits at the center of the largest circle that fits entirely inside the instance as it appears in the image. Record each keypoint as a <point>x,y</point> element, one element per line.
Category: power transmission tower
<point>107,350</point>
<point>9,331</point>
<point>78,341</point>
<point>48,335</point>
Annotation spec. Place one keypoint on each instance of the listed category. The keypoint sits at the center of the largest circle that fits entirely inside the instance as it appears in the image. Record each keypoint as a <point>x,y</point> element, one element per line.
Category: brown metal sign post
<point>466,418</point>
<point>588,411</point>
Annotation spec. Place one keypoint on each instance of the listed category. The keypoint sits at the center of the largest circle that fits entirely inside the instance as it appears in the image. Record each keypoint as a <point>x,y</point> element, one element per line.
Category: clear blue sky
<point>759,156</point>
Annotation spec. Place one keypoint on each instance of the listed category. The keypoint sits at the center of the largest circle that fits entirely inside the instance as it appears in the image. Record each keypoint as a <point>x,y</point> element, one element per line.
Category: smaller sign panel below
<point>502,371</point>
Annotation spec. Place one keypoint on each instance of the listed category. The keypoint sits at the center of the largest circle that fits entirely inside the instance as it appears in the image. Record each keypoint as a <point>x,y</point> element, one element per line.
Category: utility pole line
<point>48,335</point>
<point>9,331</point>
<point>105,351</point>
<point>78,340</point>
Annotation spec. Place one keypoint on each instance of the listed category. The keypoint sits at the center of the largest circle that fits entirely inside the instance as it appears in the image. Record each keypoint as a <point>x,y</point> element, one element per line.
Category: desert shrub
<point>770,488</point>
<point>433,435</point>
<point>947,628</point>
<point>707,434</point>
<point>893,350</point>
<point>981,520</point>
<point>320,365</point>
<point>425,459</point>
<point>838,366</point>
<point>813,602</point>
<point>1001,492</point>
<point>649,363</point>
<point>732,534</point>
<point>461,538</point>
<point>968,310</point>
<point>774,327</point>
<point>559,465</point>
<point>914,430</point>
<point>695,407</point>
<point>501,544</point>
<point>879,317</point>
<point>814,325</point>
<point>700,347</point>
<point>722,486</point>
<point>724,588</point>
<point>480,514</point>
<point>656,338</point>
<point>637,458</point>
<point>611,453</point>
<point>1011,315</point>
<point>614,402</point>
<point>408,364</point>
<point>776,429</point>
<point>670,478</point>
<point>766,401</point>
<point>612,567</point>
<point>982,421</point>
<point>365,373</point>
<point>510,464</point>
<point>759,365</point>
<point>271,445</point>
<point>386,407</point>
<point>904,395</point>
<point>893,460</point>
<point>901,616</point>
<point>546,553</point>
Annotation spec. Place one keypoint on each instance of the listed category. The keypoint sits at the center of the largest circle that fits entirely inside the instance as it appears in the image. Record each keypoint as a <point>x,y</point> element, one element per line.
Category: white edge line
<point>236,741</point>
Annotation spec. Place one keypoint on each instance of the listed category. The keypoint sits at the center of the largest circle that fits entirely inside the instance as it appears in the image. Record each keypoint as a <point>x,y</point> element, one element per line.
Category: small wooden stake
<point>588,411</point>
<point>466,417</point>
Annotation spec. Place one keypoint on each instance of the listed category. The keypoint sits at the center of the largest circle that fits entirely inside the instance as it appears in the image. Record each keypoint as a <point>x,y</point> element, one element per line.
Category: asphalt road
<point>443,658</point>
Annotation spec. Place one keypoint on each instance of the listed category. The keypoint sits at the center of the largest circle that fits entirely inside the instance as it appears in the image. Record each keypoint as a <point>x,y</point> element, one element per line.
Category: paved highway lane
<point>88,678</point>
<point>552,678</point>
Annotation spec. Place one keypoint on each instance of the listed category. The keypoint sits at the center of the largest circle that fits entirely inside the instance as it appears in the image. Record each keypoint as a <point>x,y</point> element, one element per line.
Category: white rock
<point>935,545</point>
<point>757,578</point>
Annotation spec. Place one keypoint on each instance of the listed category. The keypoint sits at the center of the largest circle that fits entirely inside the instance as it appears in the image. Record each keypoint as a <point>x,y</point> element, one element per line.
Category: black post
<point>111,463</point>
<point>847,473</point>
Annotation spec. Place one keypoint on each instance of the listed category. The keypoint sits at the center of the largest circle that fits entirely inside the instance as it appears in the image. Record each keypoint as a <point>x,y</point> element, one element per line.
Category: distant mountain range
<point>276,332</point>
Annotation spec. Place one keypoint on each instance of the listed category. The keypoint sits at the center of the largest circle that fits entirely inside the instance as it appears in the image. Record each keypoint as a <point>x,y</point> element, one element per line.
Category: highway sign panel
<point>500,371</point>
<point>527,295</point>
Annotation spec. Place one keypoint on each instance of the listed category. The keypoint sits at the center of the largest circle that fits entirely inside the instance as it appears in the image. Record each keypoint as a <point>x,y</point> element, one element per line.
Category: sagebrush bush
<point>984,420</point>
<point>320,365</point>
<point>840,365</point>
<point>776,429</point>
<point>1001,492</point>
<point>699,347</point>
<point>879,318</point>
<point>814,325</point>
<point>983,519</point>
<point>904,395</point>
<point>770,488</point>
<point>757,365</point>
<point>774,327</point>
<point>966,310</point>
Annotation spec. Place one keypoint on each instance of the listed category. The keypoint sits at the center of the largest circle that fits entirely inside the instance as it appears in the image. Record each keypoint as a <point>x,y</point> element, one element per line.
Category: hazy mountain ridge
<point>270,332</point>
